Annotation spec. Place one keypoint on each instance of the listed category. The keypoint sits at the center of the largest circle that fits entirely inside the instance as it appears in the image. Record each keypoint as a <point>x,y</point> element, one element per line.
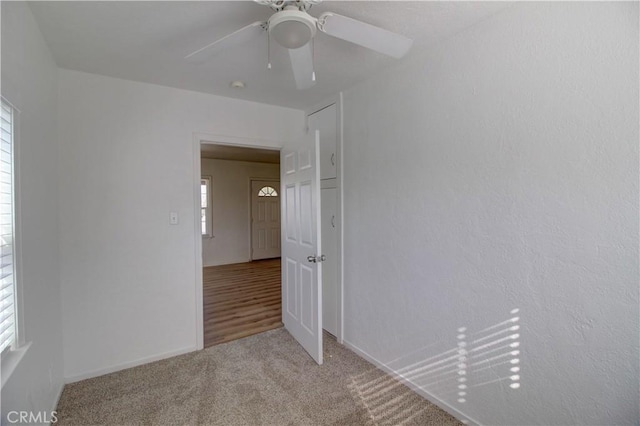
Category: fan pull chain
<point>313,55</point>
<point>268,50</point>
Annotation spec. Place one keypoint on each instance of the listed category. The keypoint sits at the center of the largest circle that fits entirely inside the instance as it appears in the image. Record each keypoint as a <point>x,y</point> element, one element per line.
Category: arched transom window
<point>267,191</point>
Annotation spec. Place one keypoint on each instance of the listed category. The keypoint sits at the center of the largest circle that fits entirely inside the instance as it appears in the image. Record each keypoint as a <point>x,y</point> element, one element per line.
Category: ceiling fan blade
<point>236,38</point>
<point>365,35</point>
<point>302,65</point>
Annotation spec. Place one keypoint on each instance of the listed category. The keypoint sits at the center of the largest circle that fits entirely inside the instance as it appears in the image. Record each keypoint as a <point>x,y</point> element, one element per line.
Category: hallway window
<point>267,191</point>
<point>7,230</point>
<point>205,205</point>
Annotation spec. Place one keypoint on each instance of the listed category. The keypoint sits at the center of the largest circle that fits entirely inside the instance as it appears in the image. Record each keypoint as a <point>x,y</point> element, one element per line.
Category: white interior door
<point>301,245</point>
<point>265,219</point>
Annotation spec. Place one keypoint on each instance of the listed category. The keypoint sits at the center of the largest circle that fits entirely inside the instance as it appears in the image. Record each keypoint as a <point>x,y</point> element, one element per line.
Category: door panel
<point>302,279</point>
<point>275,239</point>
<point>262,211</point>
<point>307,286</point>
<point>289,163</point>
<point>291,227</point>
<point>306,211</point>
<point>290,284</point>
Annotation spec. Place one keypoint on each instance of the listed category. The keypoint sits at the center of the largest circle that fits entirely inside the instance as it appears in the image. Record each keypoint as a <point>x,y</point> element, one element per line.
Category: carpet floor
<point>265,379</point>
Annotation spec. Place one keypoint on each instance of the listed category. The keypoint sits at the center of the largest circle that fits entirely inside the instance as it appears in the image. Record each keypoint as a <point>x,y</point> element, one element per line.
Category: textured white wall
<point>231,204</point>
<point>500,171</point>
<point>29,82</point>
<point>126,161</point>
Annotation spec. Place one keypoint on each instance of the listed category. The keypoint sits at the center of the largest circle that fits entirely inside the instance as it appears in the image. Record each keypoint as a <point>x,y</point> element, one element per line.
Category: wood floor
<point>241,299</point>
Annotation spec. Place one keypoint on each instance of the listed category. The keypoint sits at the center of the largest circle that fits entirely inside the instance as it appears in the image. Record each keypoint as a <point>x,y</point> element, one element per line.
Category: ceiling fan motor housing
<point>292,28</point>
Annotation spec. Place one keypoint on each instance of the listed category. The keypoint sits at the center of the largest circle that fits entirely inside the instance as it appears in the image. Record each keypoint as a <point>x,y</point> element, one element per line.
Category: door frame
<point>259,179</point>
<point>200,138</point>
<point>337,100</point>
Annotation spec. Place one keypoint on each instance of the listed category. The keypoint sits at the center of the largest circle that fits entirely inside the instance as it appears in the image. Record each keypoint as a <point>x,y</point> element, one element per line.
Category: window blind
<point>7,267</point>
<point>205,208</point>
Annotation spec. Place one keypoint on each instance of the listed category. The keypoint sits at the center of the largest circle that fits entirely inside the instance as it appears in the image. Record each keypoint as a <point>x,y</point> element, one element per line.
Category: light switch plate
<point>173,218</point>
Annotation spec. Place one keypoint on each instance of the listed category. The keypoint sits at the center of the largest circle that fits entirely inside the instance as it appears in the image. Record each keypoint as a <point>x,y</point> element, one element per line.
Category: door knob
<point>317,259</point>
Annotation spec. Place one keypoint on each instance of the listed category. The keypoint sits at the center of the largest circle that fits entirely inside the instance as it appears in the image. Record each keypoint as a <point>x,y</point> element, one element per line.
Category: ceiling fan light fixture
<point>292,28</point>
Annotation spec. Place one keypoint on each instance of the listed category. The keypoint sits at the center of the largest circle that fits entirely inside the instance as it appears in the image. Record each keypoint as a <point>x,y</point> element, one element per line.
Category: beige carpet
<point>266,379</point>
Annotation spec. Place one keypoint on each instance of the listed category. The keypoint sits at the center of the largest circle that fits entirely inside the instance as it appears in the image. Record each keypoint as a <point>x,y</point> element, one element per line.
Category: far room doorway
<point>240,223</point>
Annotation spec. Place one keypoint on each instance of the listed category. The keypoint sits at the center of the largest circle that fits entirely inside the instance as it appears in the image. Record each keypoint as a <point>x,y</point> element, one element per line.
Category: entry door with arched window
<point>265,219</point>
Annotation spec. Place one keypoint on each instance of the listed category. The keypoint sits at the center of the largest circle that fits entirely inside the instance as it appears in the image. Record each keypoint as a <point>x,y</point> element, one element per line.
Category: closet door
<point>326,123</point>
<point>329,266</point>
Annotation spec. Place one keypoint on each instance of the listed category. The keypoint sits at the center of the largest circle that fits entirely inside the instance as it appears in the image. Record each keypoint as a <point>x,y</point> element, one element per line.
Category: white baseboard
<point>102,371</point>
<point>56,400</point>
<point>420,391</point>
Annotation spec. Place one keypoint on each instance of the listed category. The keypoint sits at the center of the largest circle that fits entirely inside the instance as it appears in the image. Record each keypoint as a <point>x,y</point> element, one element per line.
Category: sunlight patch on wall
<point>490,356</point>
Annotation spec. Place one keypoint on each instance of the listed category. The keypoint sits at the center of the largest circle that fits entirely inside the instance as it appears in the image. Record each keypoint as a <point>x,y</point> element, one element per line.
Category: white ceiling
<point>147,41</point>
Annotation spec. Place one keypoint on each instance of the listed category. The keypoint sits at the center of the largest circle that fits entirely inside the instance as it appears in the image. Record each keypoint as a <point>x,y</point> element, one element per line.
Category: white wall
<point>29,82</point>
<point>231,205</point>
<point>500,171</point>
<point>126,161</point>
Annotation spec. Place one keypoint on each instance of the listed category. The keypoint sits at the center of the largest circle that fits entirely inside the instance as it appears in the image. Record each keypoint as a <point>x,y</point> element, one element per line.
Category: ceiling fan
<point>294,28</point>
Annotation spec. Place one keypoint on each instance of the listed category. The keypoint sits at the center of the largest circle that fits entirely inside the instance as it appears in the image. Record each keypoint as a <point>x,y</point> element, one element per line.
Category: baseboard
<point>102,371</point>
<point>426,395</point>
<point>56,400</point>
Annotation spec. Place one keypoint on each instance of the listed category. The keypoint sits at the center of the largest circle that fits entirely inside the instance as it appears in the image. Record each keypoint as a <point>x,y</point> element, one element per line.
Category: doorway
<point>240,225</point>
<point>328,119</point>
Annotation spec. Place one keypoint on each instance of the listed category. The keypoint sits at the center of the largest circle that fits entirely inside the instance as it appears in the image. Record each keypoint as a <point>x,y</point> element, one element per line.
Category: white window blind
<point>205,207</point>
<point>7,267</point>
